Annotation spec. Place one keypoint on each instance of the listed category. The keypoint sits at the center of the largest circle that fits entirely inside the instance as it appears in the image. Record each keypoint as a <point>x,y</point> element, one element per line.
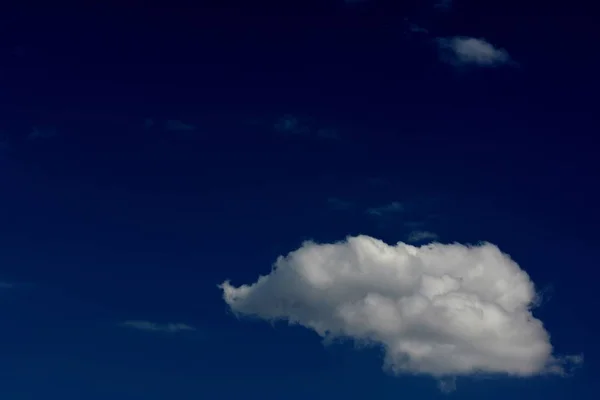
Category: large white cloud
<point>442,310</point>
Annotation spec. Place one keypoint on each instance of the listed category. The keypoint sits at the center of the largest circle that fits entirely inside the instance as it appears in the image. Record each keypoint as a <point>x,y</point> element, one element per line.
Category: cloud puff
<point>418,236</point>
<point>389,208</point>
<point>441,310</point>
<point>6,285</point>
<point>151,326</point>
<point>463,50</point>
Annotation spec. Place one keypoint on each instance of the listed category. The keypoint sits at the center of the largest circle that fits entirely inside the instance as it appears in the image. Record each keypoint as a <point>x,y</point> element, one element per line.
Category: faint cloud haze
<point>439,310</point>
<point>393,207</point>
<point>41,133</point>
<point>443,5</point>
<point>148,123</point>
<point>419,236</point>
<point>289,124</point>
<point>151,326</point>
<point>178,126</point>
<point>339,204</point>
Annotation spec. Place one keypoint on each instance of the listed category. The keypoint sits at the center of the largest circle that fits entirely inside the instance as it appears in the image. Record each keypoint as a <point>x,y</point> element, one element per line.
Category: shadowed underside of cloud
<point>441,310</point>
<point>152,326</point>
<point>463,50</point>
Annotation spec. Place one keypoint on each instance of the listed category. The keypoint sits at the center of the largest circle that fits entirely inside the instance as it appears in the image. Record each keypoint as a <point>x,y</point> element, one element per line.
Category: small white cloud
<point>462,50</point>
<point>419,236</point>
<point>179,126</point>
<point>152,326</point>
<point>440,310</point>
<point>393,207</point>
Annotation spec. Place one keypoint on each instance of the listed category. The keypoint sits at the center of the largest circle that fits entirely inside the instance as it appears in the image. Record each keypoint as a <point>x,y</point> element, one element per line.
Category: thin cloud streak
<point>155,327</point>
<point>393,207</point>
<point>420,236</point>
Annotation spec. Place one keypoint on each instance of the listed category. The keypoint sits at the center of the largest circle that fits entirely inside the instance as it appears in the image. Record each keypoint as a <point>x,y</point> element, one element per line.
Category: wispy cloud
<point>419,236</point>
<point>462,51</point>
<point>155,327</point>
<point>393,207</point>
<point>377,181</point>
<point>289,124</point>
<point>443,5</point>
<point>6,285</point>
<point>416,28</point>
<point>179,126</point>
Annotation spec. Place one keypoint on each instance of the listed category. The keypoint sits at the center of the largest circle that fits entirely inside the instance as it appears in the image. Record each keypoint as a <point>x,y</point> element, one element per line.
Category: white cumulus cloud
<point>463,50</point>
<point>152,326</point>
<point>444,310</point>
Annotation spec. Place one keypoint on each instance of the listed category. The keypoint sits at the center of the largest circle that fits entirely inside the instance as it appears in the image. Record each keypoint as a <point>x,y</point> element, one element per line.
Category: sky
<point>319,199</point>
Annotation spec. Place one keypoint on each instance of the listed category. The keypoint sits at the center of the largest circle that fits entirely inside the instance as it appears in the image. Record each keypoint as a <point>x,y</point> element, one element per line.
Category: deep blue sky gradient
<point>109,221</point>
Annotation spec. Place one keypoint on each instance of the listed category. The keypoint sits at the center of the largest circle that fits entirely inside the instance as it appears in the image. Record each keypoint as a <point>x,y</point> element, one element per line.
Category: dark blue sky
<point>147,155</point>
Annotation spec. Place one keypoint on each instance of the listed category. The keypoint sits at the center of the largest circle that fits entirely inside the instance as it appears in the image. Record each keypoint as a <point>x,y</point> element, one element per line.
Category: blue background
<point>109,221</point>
